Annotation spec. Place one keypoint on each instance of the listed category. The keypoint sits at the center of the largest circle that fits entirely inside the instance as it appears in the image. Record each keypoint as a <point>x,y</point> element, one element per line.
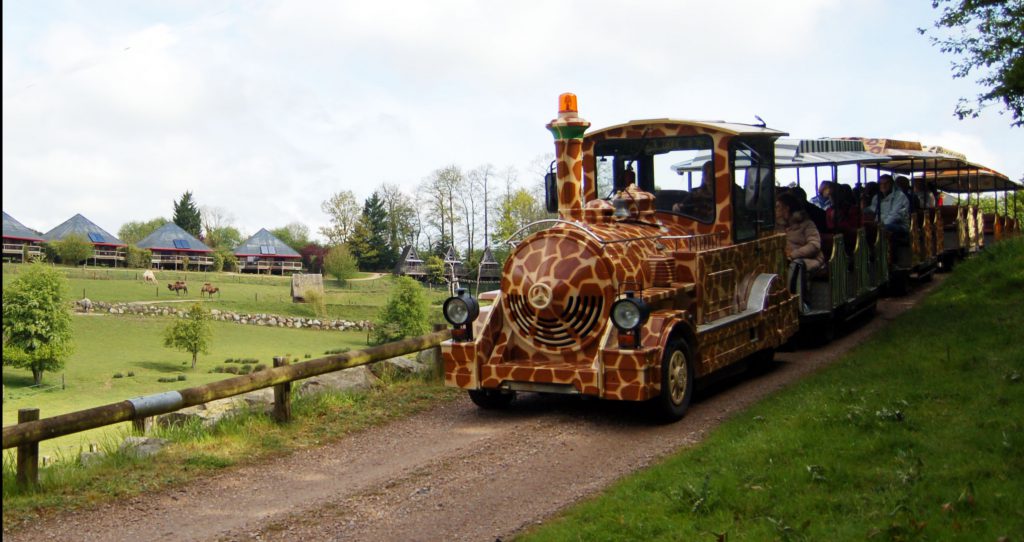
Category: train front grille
<point>572,325</point>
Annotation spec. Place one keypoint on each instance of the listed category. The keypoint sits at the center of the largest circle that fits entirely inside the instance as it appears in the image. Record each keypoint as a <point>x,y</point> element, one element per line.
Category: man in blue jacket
<point>893,207</point>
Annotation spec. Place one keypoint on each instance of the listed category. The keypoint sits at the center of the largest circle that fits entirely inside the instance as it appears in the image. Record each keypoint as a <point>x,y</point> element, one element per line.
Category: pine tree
<point>186,215</point>
<point>369,243</point>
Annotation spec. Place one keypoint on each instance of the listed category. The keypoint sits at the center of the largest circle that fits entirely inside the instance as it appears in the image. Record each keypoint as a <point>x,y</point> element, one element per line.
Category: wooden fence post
<point>436,352</point>
<point>282,396</point>
<point>28,454</point>
<point>141,425</point>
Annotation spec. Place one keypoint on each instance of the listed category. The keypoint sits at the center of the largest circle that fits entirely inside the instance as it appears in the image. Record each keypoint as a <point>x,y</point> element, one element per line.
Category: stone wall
<point>268,320</point>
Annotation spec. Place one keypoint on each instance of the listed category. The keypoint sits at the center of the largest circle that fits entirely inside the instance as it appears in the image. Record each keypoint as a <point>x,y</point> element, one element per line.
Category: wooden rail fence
<point>30,430</point>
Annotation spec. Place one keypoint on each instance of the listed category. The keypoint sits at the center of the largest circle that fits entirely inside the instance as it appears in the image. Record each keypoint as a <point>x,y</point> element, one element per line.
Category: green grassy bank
<point>917,434</point>
<point>195,452</point>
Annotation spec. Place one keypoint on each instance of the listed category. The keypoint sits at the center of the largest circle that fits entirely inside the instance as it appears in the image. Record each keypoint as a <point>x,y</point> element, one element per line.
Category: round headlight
<point>456,311</point>
<point>626,314</point>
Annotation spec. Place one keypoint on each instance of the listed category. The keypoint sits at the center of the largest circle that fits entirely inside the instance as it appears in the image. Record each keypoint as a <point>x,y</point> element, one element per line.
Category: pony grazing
<point>209,289</point>
<point>177,287</point>
<point>148,276</point>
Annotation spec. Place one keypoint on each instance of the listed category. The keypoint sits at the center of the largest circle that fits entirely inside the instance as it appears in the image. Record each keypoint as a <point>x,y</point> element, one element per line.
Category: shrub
<point>73,249</point>
<point>229,360</point>
<point>118,375</point>
<point>315,299</point>
<point>260,367</point>
<point>245,369</point>
<point>131,373</point>
<point>138,258</point>
<point>217,370</point>
<point>309,355</point>
<point>232,370</point>
<point>340,263</point>
<point>336,351</point>
<point>181,378</point>
<point>404,315</point>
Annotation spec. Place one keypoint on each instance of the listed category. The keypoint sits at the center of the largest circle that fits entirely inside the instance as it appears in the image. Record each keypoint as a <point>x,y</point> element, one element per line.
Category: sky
<point>264,109</point>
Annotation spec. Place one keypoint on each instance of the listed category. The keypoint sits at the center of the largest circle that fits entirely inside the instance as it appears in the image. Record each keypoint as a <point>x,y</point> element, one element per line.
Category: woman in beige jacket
<point>803,242</point>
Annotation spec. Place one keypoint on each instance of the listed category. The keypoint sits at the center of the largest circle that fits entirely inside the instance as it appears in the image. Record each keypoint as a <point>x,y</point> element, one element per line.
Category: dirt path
<point>453,473</point>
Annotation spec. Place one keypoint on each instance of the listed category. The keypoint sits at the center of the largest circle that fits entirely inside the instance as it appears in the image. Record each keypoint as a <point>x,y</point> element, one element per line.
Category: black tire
<point>762,361</point>
<point>676,382</point>
<point>491,399</point>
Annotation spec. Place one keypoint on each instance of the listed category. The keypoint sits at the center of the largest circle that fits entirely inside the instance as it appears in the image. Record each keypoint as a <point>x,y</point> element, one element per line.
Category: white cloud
<point>267,108</point>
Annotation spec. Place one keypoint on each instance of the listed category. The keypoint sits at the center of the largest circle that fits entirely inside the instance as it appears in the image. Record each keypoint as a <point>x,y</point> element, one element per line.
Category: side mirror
<point>551,191</point>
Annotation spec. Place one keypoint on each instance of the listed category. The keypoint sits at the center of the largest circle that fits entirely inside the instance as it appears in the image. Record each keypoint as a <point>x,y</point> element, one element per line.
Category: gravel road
<point>452,473</point>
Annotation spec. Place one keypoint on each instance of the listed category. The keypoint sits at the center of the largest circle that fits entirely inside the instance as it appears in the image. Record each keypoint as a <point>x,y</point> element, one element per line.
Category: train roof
<point>910,156</point>
<point>793,153</point>
<point>973,179</point>
<point>731,128</point>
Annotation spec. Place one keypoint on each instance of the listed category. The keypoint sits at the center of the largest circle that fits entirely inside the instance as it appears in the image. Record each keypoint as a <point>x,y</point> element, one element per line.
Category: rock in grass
<point>142,446</point>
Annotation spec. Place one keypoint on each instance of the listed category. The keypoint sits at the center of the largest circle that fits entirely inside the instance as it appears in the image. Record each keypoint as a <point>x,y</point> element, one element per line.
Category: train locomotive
<point>636,295</point>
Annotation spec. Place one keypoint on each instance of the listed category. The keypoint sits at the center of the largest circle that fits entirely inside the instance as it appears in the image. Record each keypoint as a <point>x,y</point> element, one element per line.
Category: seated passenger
<point>867,199</point>
<point>893,207</point>
<point>925,198</point>
<point>815,213</point>
<point>822,200</point>
<point>701,202</point>
<point>803,242</point>
<point>844,216</point>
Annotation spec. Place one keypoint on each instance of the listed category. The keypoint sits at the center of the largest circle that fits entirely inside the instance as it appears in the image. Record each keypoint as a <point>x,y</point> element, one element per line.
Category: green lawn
<point>116,344</point>
<point>917,434</point>
<point>356,300</point>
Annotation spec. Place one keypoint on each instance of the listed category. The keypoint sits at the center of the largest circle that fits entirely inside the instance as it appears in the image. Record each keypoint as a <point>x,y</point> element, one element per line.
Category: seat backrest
<point>665,199</point>
<point>948,214</point>
<point>826,245</point>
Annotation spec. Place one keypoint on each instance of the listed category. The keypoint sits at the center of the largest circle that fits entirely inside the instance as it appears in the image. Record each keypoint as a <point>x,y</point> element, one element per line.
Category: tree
<point>401,218</point>
<point>294,234</point>
<point>135,231</point>
<point>218,224</point>
<point>344,213</point>
<point>405,313</point>
<point>340,264</point>
<point>313,257</point>
<point>191,334</point>
<point>439,193</point>
<point>434,266</point>
<point>225,237</point>
<point>36,321</point>
<point>369,241</point>
<point>985,36</point>
<point>518,210</point>
<point>73,249</point>
<point>187,216</point>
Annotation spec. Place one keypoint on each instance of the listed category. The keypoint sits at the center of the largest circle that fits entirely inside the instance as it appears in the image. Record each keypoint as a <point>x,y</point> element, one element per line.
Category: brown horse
<point>177,287</point>
<point>209,289</point>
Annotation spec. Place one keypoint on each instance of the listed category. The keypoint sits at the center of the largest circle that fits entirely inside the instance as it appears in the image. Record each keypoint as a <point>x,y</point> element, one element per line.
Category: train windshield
<point>688,193</point>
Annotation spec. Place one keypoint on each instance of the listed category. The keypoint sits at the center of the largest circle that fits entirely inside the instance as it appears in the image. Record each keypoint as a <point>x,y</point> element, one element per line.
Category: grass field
<point>357,300</point>
<point>108,344</point>
<point>917,434</point>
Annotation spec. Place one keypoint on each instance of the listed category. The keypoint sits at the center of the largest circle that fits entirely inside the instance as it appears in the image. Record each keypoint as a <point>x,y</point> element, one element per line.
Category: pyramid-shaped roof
<point>488,257</point>
<point>452,255</point>
<point>79,225</point>
<point>170,236</point>
<point>264,243</point>
<point>16,230</point>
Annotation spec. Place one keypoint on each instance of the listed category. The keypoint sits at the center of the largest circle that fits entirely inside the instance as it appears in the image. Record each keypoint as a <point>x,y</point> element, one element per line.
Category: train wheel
<point>676,382</point>
<point>491,399</point>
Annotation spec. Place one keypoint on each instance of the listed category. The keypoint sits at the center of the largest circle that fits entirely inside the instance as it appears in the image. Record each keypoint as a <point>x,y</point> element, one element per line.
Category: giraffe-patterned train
<point>635,298</point>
